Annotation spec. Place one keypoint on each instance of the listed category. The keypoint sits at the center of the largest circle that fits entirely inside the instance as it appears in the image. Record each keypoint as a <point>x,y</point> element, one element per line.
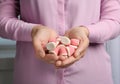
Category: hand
<point>80,33</point>
<point>40,37</point>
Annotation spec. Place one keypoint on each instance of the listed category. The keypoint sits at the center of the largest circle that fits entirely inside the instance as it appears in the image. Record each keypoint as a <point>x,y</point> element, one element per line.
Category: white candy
<point>74,46</point>
<point>62,46</point>
<point>56,50</point>
<point>65,40</point>
<point>51,46</point>
<point>68,51</point>
<point>52,52</point>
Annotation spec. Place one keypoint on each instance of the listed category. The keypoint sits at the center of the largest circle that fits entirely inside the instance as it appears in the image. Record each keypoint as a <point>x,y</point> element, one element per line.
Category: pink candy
<point>70,50</point>
<point>75,42</point>
<point>63,46</point>
<point>62,51</point>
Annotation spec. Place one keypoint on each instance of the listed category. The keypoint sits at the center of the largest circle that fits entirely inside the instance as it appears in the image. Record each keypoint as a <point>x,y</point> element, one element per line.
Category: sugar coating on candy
<point>75,42</point>
<point>65,40</point>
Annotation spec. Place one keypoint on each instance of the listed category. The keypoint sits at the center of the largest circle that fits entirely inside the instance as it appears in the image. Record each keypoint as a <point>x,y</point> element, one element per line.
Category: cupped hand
<point>80,33</point>
<point>40,37</point>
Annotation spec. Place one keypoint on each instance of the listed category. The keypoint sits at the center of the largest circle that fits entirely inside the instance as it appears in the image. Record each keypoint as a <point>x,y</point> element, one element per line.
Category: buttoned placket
<point>61,16</point>
<point>61,28</point>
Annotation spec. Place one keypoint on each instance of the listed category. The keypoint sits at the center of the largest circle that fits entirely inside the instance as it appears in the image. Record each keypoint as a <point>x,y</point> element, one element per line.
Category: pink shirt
<point>101,17</point>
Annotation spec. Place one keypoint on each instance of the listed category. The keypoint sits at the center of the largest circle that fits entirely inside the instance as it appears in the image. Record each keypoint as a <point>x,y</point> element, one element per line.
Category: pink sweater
<point>101,17</point>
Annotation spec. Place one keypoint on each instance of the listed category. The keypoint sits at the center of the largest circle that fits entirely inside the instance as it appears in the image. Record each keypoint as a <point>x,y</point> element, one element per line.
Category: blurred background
<point>7,54</point>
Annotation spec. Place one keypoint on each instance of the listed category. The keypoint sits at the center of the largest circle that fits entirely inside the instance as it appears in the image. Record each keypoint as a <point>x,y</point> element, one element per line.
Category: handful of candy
<point>62,46</point>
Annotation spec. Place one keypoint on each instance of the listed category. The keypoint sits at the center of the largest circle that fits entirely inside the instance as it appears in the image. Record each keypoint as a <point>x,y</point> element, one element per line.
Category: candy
<point>51,46</point>
<point>62,51</point>
<point>75,42</point>
<point>55,40</point>
<point>62,45</point>
<point>65,40</point>
<point>70,50</point>
<point>57,50</point>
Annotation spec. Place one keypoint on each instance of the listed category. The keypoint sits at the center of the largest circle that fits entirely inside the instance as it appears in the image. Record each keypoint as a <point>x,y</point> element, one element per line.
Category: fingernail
<point>77,54</point>
<point>58,63</point>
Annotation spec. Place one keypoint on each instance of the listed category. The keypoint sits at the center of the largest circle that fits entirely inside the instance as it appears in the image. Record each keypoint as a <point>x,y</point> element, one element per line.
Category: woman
<point>92,21</point>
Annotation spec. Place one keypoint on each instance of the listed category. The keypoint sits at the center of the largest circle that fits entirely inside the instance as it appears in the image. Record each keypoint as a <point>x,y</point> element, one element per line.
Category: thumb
<point>82,47</point>
<point>38,48</point>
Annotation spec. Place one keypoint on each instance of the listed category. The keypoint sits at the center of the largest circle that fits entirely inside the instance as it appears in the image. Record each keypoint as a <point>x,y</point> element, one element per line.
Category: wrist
<point>35,30</point>
<point>85,30</point>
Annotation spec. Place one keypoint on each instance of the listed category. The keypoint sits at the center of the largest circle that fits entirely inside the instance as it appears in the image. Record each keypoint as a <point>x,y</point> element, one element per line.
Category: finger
<point>80,56</point>
<point>58,63</point>
<point>67,33</point>
<point>51,58</point>
<point>62,58</point>
<point>38,48</point>
<point>83,45</point>
<point>63,66</point>
<point>53,35</point>
<point>76,59</point>
<point>68,61</point>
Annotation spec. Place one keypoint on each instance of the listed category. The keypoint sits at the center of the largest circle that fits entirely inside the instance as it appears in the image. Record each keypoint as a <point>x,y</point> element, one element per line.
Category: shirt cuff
<point>92,33</point>
<point>25,35</point>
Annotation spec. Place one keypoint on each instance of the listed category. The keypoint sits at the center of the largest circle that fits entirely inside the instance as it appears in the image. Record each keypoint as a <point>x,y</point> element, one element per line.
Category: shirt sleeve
<point>10,26</point>
<point>109,25</point>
